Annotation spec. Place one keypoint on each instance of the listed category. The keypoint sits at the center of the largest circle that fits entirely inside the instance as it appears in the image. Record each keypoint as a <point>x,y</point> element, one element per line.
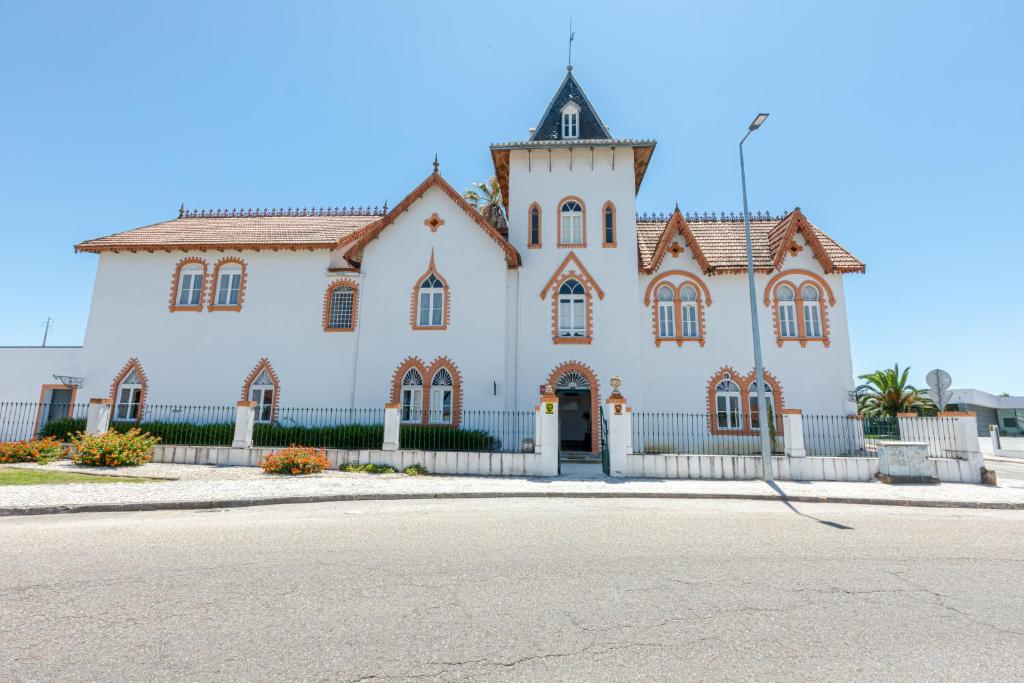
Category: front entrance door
<point>574,419</point>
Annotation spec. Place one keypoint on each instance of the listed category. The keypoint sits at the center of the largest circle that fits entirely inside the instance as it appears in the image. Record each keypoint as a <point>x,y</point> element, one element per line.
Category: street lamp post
<point>762,410</point>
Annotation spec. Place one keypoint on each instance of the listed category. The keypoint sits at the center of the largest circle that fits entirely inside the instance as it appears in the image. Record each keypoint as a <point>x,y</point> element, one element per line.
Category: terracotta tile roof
<point>721,243</point>
<point>302,229</point>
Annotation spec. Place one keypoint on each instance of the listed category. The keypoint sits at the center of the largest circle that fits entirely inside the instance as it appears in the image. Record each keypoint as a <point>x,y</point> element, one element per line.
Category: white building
<point>429,306</point>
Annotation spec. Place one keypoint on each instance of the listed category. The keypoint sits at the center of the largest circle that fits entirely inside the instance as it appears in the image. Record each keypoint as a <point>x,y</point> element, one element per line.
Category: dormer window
<point>570,121</point>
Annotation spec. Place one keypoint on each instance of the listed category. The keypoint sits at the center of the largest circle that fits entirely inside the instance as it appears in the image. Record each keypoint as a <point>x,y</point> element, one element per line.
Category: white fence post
<point>392,423</point>
<point>859,444</point>
<point>965,437</point>
<point>97,420</point>
<point>547,432</point>
<point>793,433</point>
<point>993,433</point>
<point>245,420</point>
<point>620,432</point>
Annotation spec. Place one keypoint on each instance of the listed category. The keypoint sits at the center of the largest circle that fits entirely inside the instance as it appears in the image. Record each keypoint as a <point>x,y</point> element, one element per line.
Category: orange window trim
<point>588,336</point>
<point>327,305</point>
<point>427,374</point>
<point>771,298</point>
<point>744,382</point>
<point>615,228</point>
<point>558,226</point>
<point>703,294</point>
<point>530,244</point>
<point>212,304</point>
<point>595,396</point>
<point>414,309</point>
<point>247,385</point>
<point>42,401</point>
<point>143,382</point>
<point>172,305</point>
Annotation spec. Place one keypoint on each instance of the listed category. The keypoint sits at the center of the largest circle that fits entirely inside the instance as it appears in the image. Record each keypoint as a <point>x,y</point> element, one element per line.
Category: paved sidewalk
<point>199,486</point>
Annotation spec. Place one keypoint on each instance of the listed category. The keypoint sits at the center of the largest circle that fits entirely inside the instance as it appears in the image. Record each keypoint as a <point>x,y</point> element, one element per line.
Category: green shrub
<point>369,468</point>
<point>415,470</point>
<point>356,436</point>
<point>295,460</point>
<point>445,438</point>
<point>39,451</point>
<point>64,428</point>
<point>113,449</point>
<point>183,433</point>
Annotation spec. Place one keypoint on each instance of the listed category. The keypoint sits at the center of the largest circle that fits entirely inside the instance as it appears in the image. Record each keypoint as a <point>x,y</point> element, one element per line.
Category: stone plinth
<point>904,462</point>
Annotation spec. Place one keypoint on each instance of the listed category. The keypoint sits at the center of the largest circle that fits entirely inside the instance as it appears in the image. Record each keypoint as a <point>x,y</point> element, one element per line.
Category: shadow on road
<point>785,501</point>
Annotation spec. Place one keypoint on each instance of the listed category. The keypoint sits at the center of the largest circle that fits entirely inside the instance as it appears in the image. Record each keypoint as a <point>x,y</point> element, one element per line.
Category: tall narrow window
<point>129,397</point>
<point>812,311</point>
<point>769,402</point>
<point>228,284</point>
<point>572,304</point>
<point>571,230</point>
<point>570,121</point>
<point>787,311</point>
<point>431,313</point>
<point>190,286</point>
<point>666,312</point>
<point>261,392</point>
<point>727,404</point>
<point>609,225</point>
<point>341,308</point>
<point>534,226</point>
<point>688,311</point>
<point>412,396</point>
<point>441,388</point>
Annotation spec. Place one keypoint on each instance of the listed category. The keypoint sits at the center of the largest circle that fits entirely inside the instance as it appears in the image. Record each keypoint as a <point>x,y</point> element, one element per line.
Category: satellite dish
<point>939,381</point>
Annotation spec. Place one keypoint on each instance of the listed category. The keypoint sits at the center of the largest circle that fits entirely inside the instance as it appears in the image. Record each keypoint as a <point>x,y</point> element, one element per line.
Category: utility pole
<point>46,329</point>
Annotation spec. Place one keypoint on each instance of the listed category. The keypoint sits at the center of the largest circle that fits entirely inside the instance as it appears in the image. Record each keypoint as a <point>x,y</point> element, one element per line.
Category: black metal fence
<point>480,431</point>
<point>344,428</point>
<point>24,421</point>
<point>842,435</point>
<point>691,434</point>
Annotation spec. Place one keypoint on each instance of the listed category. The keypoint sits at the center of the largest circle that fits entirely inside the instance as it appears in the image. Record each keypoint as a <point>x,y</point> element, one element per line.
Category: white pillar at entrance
<point>620,432</point>
<point>547,432</point>
<point>97,420</point>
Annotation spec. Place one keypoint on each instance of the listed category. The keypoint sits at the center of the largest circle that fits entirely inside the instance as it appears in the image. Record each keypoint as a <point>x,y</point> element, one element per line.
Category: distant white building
<point>1005,411</point>
<point>429,306</point>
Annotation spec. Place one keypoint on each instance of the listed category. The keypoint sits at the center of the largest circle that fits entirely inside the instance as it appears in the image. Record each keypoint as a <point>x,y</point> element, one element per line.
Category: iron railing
<point>480,431</point>
<point>691,434</point>
<point>843,435</point>
<point>342,428</point>
<point>24,421</point>
<point>181,425</point>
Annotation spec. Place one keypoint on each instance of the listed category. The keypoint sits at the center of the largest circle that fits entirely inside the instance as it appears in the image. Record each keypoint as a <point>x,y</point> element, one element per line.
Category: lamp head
<point>758,120</point>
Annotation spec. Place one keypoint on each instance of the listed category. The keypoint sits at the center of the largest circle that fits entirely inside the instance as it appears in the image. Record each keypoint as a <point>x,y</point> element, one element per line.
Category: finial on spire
<point>436,165</point>
<point>677,207</point>
<point>571,36</point>
<point>181,210</point>
<point>385,208</point>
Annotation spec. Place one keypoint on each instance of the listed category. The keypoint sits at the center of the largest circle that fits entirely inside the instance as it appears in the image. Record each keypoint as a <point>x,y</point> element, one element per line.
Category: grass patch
<point>369,468</point>
<point>17,476</point>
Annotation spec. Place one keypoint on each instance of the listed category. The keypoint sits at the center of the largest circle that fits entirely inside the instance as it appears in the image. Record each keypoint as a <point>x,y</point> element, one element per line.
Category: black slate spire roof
<point>550,126</point>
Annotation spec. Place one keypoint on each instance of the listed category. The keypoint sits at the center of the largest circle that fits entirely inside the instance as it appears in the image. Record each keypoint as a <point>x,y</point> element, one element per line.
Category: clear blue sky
<point>894,126</point>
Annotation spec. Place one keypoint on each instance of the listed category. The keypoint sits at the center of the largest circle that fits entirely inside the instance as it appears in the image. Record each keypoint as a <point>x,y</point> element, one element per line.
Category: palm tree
<point>887,392</point>
<point>486,198</point>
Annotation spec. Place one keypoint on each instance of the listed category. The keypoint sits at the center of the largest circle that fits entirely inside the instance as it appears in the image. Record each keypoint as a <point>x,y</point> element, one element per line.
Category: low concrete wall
<point>794,469</point>
<point>438,462</point>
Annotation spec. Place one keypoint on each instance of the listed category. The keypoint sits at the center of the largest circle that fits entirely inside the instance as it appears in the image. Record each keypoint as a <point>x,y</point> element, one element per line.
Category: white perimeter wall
<point>24,369</point>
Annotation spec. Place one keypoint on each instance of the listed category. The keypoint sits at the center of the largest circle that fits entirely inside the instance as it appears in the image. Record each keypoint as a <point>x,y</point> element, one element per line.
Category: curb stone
<point>350,497</point>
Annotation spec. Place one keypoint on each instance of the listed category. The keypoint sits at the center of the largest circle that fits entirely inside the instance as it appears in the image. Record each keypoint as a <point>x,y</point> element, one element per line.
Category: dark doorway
<point>574,423</point>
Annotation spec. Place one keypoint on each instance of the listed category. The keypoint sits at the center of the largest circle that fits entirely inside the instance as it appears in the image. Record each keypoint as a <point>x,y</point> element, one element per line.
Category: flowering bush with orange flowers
<point>113,449</point>
<point>41,451</point>
<point>295,460</point>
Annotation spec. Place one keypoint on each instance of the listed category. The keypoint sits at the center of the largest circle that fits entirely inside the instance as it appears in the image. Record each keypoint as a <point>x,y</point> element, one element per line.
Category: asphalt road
<point>514,589</point>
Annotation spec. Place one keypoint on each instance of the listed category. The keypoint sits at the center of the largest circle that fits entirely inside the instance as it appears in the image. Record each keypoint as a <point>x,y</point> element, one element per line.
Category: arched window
<point>571,230</point>
<point>261,392</point>
<point>340,303</point>
<point>572,310</point>
<point>570,121</point>
<point>787,311</point>
<point>812,311</point>
<point>534,240</point>
<point>688,311</point>
<point>187,285</point>
<point>666,312</point>
<point>431,302</point>
<point>228,285</point>
<point>608,216</point>
<point>129,397</point>
<point>769,401</point>
<point>727,404</point>
<point>412,396</point>
<point>441,394</point>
